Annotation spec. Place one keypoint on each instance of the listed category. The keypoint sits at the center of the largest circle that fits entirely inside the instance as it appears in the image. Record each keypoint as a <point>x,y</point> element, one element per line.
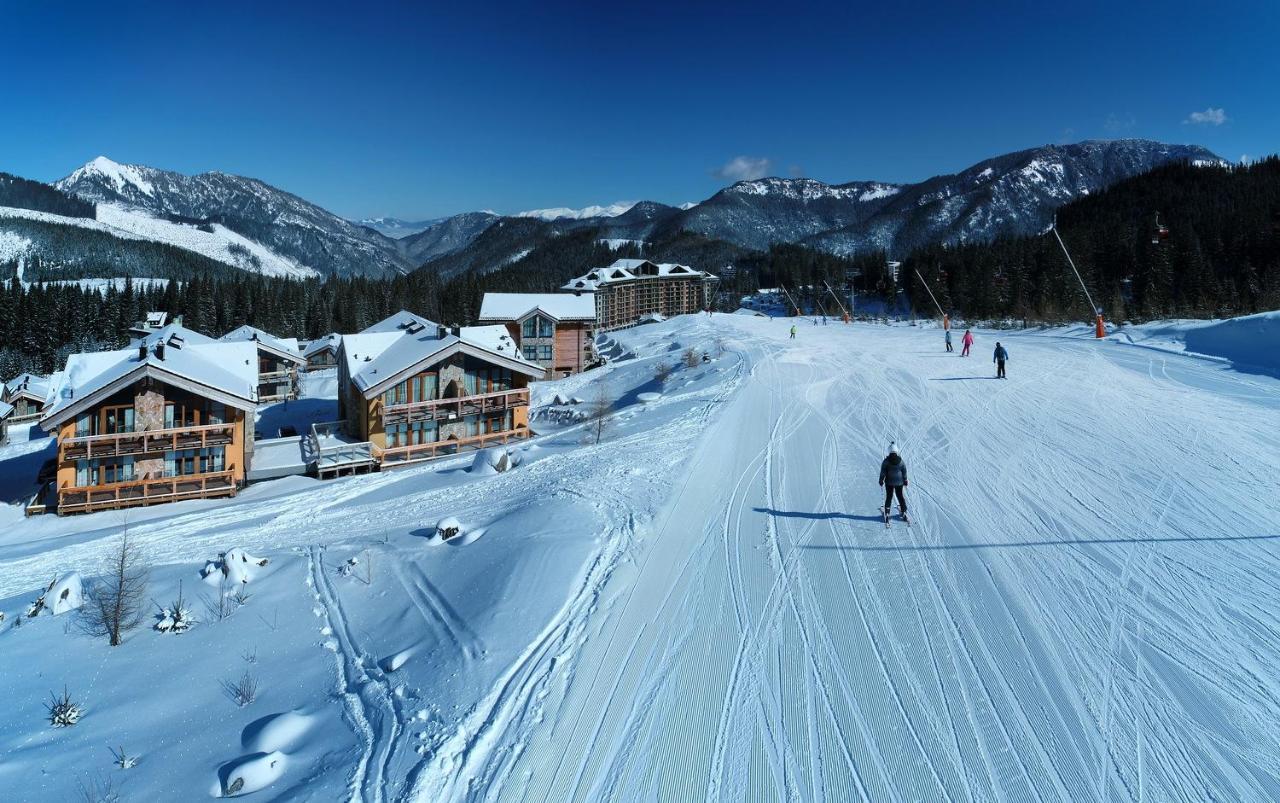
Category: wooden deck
<point>416,453</point>
<point>136,493</point>
<point>450,409</point>
<point>147,441</point>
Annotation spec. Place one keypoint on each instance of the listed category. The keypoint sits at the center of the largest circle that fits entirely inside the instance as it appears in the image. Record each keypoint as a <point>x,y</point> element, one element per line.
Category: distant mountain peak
<point>565,213</point>
<point>121,176</point>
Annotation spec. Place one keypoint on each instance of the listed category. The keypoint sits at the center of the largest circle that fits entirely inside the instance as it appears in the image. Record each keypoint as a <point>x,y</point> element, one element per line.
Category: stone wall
<point>148,414</point>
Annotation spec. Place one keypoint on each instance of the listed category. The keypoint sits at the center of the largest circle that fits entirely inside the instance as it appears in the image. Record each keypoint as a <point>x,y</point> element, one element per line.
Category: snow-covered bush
<point>692,358</point>
<point>122,759</point>
<point>448,527</point>
<point>236,565</point>
<point>494,460</point>
<point>177,618</point>
<point>60,596</point>
<point>63,711</point>
<point>663,372</point>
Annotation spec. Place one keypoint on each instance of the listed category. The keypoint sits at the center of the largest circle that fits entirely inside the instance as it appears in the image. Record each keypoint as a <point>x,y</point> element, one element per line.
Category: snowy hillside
<point>705,604</point>
<point>277,222</point>
<point>211,240</point>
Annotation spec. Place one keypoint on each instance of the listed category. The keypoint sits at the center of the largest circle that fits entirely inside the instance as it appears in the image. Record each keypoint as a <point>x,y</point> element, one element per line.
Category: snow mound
<point>393,662</point>
<point>494,461</point>
<point>1251,342</point>
<point>648,397</point>
<point>275,732</point>
<point>447,528</point>
<point>63,595</point>
<point>466,537</point>
<point>236,565</point>
<point>250,773</point>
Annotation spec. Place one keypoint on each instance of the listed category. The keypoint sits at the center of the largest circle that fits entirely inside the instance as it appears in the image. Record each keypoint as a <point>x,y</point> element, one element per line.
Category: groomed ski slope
<point>1084,608</point>
<point>705,605</point>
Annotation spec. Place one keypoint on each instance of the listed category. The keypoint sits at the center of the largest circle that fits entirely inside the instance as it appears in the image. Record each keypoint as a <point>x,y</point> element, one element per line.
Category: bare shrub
<point>122,759</point>
<point>599,412</point>
<point>692,358</point>
<point>243,690</point>
<point>663,372</point>
<point>115,601</point>
<point>97,789</point>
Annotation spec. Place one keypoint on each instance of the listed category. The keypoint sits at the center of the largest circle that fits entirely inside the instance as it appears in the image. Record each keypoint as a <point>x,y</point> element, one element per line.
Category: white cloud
<point>744,168</point>
<point>1209,116</point>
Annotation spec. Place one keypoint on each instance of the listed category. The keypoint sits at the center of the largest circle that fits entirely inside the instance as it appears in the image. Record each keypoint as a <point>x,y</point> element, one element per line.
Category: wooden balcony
<point>147,442</point>
<point>451,409</point>
<point>72,499</point>
<point>404,455</point>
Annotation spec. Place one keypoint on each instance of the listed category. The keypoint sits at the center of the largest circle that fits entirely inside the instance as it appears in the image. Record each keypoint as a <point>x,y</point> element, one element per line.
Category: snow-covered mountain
<point>293,229</point>
<point>585,213</point>
<point>1013,194</point>
<point>395,227</point>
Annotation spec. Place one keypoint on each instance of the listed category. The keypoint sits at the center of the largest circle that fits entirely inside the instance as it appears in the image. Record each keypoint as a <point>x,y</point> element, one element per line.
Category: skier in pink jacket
<point>967,341</point>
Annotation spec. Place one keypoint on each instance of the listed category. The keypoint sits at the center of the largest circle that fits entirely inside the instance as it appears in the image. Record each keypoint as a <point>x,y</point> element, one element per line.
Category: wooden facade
<point>561,347</point>
<point>631,290</point>
<point>150,442</point>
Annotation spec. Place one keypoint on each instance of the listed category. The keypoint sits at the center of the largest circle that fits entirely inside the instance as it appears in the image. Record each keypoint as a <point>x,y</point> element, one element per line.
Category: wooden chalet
<point>413,390</point>
<point>554,330</point>
<point>321,353</point>
<point>278,362</point>
<point>26,394</point>
<point>164,420</point>
<point>631,290</point>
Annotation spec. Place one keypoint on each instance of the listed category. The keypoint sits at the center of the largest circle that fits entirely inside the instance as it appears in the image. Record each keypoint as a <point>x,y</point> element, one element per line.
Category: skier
<point>966,341</point>
<point>793,331</point>
<point>949,349</point>
<point>893,477</point>
<point>998,358</point>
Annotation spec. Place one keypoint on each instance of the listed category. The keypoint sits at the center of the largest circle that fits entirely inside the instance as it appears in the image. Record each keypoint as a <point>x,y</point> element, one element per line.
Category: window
<point>102,472</point>
<point>194,461</point>
<point>530,327</point>
<point>86,424</point>
<point>544,353</point>
<point>530,353</point>
<point>545,327</point>
<point>117,420</point>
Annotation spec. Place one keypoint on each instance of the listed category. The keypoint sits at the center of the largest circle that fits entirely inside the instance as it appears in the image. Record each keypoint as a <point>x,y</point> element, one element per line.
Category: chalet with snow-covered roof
<point>6,410</point>
<point>554,330</point>
<point>278,362</point>
<point>414,390</point>
<point>26,394</point>
<point>169,418</point>
<point>631,289</point>
<point>151,323</point>
<point>322,352</point>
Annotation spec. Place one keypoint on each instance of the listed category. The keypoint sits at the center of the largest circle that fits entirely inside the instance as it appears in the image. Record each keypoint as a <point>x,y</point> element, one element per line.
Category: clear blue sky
<point>413,111</point>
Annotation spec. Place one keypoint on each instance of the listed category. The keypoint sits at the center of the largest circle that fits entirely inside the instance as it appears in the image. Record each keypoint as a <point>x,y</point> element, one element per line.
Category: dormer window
<point>537,326</point>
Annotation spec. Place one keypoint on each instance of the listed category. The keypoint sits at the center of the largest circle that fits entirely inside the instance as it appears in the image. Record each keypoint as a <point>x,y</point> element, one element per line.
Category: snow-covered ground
<point>705,604</point>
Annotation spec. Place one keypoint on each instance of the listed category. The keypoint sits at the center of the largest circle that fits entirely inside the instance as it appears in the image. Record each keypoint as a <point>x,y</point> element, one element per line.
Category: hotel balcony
<point>134,493</point>
<point>453,409</point>
<point>146,442</point>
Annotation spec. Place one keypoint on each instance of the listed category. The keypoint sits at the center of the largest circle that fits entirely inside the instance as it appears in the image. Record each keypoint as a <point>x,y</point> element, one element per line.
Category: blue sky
<point>415,111</point>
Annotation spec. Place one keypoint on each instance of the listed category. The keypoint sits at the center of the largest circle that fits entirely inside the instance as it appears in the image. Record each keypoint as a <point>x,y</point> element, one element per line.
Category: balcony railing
<point>271,376</point>
<point>84,499</point>
<point>403,455</point>
<point>147,441</point>
<point>449,409</point>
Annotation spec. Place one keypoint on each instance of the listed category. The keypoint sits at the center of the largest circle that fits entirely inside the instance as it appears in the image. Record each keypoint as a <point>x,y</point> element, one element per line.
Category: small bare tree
<point>663,372</point>
<point>692,358</point>
<point>599,411</point>
<point>115,603</point>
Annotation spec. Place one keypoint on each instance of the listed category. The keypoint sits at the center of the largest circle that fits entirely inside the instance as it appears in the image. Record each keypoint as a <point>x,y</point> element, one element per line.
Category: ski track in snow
<point>1082,607</point>
<point>1000,647</point>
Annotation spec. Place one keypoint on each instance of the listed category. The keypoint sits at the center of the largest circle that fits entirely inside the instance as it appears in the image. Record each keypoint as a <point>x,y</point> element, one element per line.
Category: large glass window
<point>530,353</point>
<point>530,327</point>
<point>545,327</point>
<point>116,420</point>
<point>544,353</point>
<point>194,461</point>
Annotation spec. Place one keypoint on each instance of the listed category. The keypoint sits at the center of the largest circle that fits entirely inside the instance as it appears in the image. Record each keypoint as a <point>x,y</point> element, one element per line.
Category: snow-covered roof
<point>33,386</point>
<point>329,341</point>
<point>286,347</point>
<point>5,409</point>
<point>392,349</point>
<point>744,311</point>
<point>626,270</point>
<point>516,306</point>
<point>155,320</point>
<point>225,372</point>
<point>188,337</point>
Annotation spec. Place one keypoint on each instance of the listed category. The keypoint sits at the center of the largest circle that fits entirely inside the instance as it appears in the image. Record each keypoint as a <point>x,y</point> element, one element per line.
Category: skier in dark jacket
<point>893,476</point>
<point>998,358</point>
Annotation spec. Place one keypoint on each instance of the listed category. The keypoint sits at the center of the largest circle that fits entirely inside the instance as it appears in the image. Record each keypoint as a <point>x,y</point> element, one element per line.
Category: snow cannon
<point>946,321</point>
<point>1100,330</point>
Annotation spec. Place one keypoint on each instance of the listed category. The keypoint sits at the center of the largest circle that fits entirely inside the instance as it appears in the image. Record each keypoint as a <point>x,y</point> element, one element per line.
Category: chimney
<point>160,350</point>
<point>441,332</point>
<point>456,331</point>
<point>142,352</point>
